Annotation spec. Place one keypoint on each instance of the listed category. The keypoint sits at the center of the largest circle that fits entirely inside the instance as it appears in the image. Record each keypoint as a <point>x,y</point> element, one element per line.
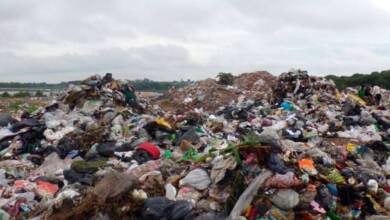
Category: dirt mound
<point>210,95</point>
<point>256,81</point>
<point>256,85</point>
<point>206,94</point>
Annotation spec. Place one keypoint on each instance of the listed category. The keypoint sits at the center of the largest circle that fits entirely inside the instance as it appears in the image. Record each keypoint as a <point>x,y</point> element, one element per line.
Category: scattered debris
<point>264,147</point>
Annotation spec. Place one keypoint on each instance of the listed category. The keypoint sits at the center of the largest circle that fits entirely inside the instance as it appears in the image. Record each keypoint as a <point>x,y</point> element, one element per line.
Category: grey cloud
<point>58,40</point>
<point>155,61</point>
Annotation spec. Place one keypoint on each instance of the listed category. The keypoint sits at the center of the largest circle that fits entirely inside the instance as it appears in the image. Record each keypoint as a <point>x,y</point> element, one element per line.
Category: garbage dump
<point>300,150</point>
<point>209,95</point>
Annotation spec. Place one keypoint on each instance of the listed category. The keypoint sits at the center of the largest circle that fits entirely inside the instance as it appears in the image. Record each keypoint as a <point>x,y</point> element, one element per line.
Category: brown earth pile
<point>256,85</point>
<point>206,94</point>
<point>210,95</point>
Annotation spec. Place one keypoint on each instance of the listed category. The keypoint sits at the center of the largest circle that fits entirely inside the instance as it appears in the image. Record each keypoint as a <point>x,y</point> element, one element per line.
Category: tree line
<point>140,85</point>
<point>22,94</point>
<point>381,79</point>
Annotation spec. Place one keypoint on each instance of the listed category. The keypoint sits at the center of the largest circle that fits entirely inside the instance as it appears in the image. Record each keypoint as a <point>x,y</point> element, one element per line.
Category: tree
<point>381,79</point>
<point>22,94</point>
<point>5,95</point>
<point>225,78</point>
<point>39,93</point>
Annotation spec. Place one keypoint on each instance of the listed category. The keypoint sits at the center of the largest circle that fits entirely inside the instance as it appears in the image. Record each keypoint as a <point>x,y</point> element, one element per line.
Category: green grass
<point>18,105</point>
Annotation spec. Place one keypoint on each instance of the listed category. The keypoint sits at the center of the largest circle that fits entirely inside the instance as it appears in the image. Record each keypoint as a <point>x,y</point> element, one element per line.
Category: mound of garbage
<point>303,151</point>
<point>210,95</point>
<point>298,84</point>
<point>255,85</point>
<point>206,94</point>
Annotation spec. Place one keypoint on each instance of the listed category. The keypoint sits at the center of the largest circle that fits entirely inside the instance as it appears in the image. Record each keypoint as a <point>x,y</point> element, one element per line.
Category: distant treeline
<point>150,85</point>
<point>381,79</point>
<point>18,85</point>
<point>140,85</point>
<point>22,94</point>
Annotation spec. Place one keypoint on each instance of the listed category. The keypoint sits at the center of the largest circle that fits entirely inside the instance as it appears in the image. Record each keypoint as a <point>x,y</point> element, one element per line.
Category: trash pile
<point>255,85</point>
<point>206,94</point>
<point>299,84</point>
<point>99,152</point>
<point>210,96</point>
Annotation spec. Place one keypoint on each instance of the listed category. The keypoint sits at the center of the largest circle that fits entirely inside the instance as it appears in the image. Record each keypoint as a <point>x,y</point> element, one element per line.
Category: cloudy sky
<point>59,40</point>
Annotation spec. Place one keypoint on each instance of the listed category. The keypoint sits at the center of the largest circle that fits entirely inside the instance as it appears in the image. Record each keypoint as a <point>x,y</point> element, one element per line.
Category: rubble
<point>209,95</point>
<point>292,147</point>
<point>255,85</point>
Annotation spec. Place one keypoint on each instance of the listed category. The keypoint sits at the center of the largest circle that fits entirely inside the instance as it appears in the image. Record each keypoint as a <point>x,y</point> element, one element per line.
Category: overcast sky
<point>60,40</point>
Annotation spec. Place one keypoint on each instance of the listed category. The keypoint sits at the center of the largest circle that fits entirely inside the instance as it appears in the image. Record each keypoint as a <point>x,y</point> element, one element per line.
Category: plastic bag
<point>285,199</point>
<point>197,178</point>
